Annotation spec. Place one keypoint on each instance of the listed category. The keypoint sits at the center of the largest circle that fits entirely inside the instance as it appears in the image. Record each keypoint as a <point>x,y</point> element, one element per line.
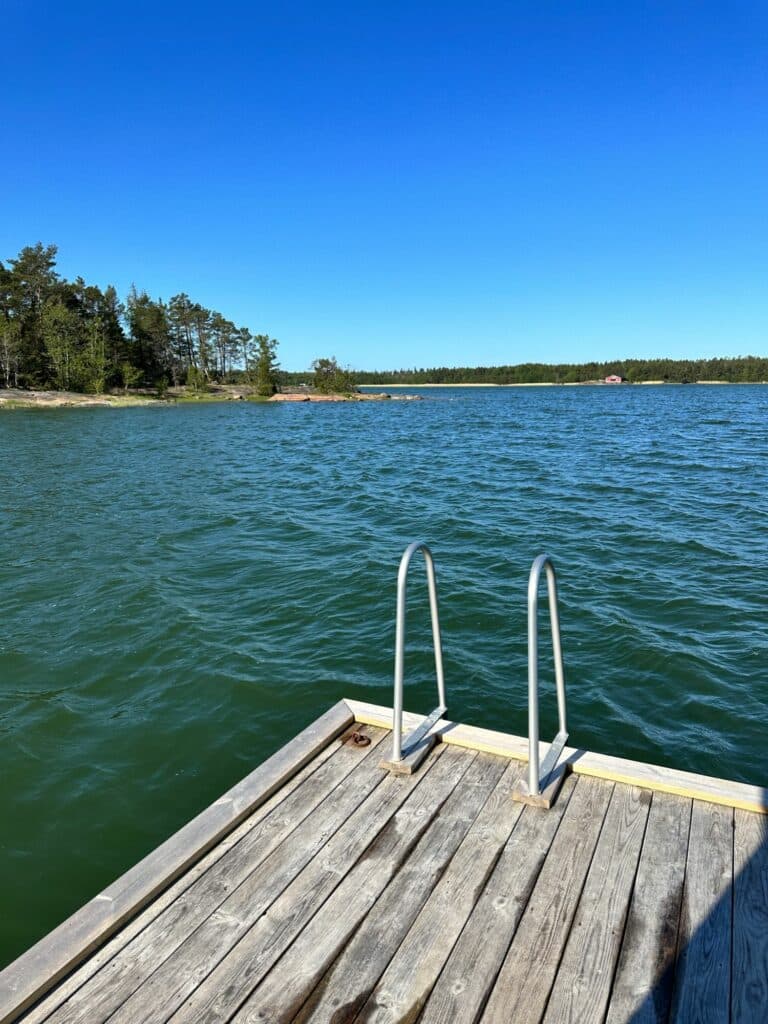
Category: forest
<point>68,335</point>
<point>741,369</point>
<point>72,336</point>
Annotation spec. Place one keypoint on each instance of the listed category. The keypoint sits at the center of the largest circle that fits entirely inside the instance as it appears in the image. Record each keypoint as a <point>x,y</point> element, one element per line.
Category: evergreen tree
<point>10,332</point>
<point>244,351</point>
<point>330,378</point>
<point>266,365</point>
<point>151,349</point>
<point>60,328</point>
<point>33,283</point>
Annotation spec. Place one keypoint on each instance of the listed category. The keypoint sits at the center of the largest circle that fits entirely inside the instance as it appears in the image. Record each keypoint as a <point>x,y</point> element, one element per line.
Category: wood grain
<point>408,764</point>
<point>583,984</point>
<point>37,970</point>
<point>406,985</point>
<point>373,932</point>
<point>460,993</point>
<point>642,988</point>
<point>320,886</point>
<point>528,973</point>
<point>703,980</point>
<point>750,920</point>
<point>387,825</point>
<point>546,796</point>
<point>162,961</point>
<point>65,989</point>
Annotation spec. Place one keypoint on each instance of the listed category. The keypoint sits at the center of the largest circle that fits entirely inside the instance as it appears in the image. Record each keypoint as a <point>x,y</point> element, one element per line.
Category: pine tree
<point>266,365</point>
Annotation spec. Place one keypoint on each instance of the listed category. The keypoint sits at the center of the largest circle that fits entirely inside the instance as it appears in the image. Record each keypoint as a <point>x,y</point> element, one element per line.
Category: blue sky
<point>405,184</point>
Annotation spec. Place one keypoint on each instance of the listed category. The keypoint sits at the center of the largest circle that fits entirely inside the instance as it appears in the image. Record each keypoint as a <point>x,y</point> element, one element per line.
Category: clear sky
<point>404,183</point>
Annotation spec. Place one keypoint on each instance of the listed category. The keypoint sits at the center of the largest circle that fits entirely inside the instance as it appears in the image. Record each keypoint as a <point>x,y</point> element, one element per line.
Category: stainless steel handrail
<point>538,777</point>
<point>402,582</point>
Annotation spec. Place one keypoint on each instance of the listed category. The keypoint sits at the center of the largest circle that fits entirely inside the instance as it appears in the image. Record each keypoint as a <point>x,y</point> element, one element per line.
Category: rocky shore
<point>19,398</point>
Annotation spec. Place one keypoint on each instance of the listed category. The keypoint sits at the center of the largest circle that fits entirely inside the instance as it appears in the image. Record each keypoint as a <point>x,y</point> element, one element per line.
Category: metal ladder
<point>543,780</point>
<point>408,753</point>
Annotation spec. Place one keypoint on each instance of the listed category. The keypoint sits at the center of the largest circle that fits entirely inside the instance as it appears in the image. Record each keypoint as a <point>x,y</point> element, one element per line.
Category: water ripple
<point>184,589</point>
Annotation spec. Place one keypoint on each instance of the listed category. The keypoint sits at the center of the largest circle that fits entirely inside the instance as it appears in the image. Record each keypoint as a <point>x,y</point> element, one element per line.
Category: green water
<point>183,589</point>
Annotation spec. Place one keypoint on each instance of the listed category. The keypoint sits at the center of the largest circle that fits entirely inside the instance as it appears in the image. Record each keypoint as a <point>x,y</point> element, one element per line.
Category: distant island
<point>62,339</point>
<point>735,370</point>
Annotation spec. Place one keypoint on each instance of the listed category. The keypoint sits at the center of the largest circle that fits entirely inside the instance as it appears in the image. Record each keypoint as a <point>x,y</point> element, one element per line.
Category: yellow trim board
<point>583,762</point>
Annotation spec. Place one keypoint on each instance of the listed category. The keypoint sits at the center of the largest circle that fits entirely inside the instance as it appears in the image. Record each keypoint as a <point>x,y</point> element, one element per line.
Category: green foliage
<point>150,337</point>
<point>10,352</point>
<point>738,369</point>
<point>33,284</point>
<point>266,365</point>
<point>131,375</point>
<point>196,380</point>
<point>56,333</point>
<point>59,334</point>
<point>331,379</point>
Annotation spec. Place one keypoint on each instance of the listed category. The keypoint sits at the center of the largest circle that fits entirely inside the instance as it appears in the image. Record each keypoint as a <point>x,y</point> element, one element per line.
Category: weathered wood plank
<point>526,977</point>
<point>583,983</point>
<point>376,931</point>
<point>43,1009</point>
<point>703,980</point>
<point>750,920</point>
<point>281,906</point>
<point>460,993</point>
<point>37,970</point>
<point>277,850</point>
<point>200,952</point>
<point>642,988</point>
<point>405,808</point>
<point>408,981</point>
<point>583,762</point>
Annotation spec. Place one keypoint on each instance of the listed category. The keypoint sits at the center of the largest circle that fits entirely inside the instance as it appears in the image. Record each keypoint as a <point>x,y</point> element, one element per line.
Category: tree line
<point>69,335</point>
<point>740,369</point>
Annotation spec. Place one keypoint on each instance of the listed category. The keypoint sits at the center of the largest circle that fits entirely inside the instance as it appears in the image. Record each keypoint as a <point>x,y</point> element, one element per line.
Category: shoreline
<point>18,398</point>
<point>574,384</point>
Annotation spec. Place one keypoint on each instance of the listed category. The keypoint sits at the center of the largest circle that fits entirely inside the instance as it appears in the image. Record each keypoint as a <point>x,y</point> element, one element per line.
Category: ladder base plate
<point>411,758</point>
<point>548,794</point>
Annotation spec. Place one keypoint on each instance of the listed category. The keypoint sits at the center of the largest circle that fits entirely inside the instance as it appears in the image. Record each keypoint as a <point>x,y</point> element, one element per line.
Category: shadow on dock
<point>715,968</point>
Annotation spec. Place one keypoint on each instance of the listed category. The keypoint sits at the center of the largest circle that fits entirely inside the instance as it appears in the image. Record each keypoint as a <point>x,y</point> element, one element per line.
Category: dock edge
<point>38,970</point>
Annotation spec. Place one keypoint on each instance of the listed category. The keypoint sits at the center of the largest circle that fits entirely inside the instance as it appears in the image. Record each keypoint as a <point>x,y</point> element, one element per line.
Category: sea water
<point>182,589</point>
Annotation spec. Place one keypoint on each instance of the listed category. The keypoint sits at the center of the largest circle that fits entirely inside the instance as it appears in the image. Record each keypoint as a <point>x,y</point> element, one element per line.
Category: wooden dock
<point>323,889</point>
